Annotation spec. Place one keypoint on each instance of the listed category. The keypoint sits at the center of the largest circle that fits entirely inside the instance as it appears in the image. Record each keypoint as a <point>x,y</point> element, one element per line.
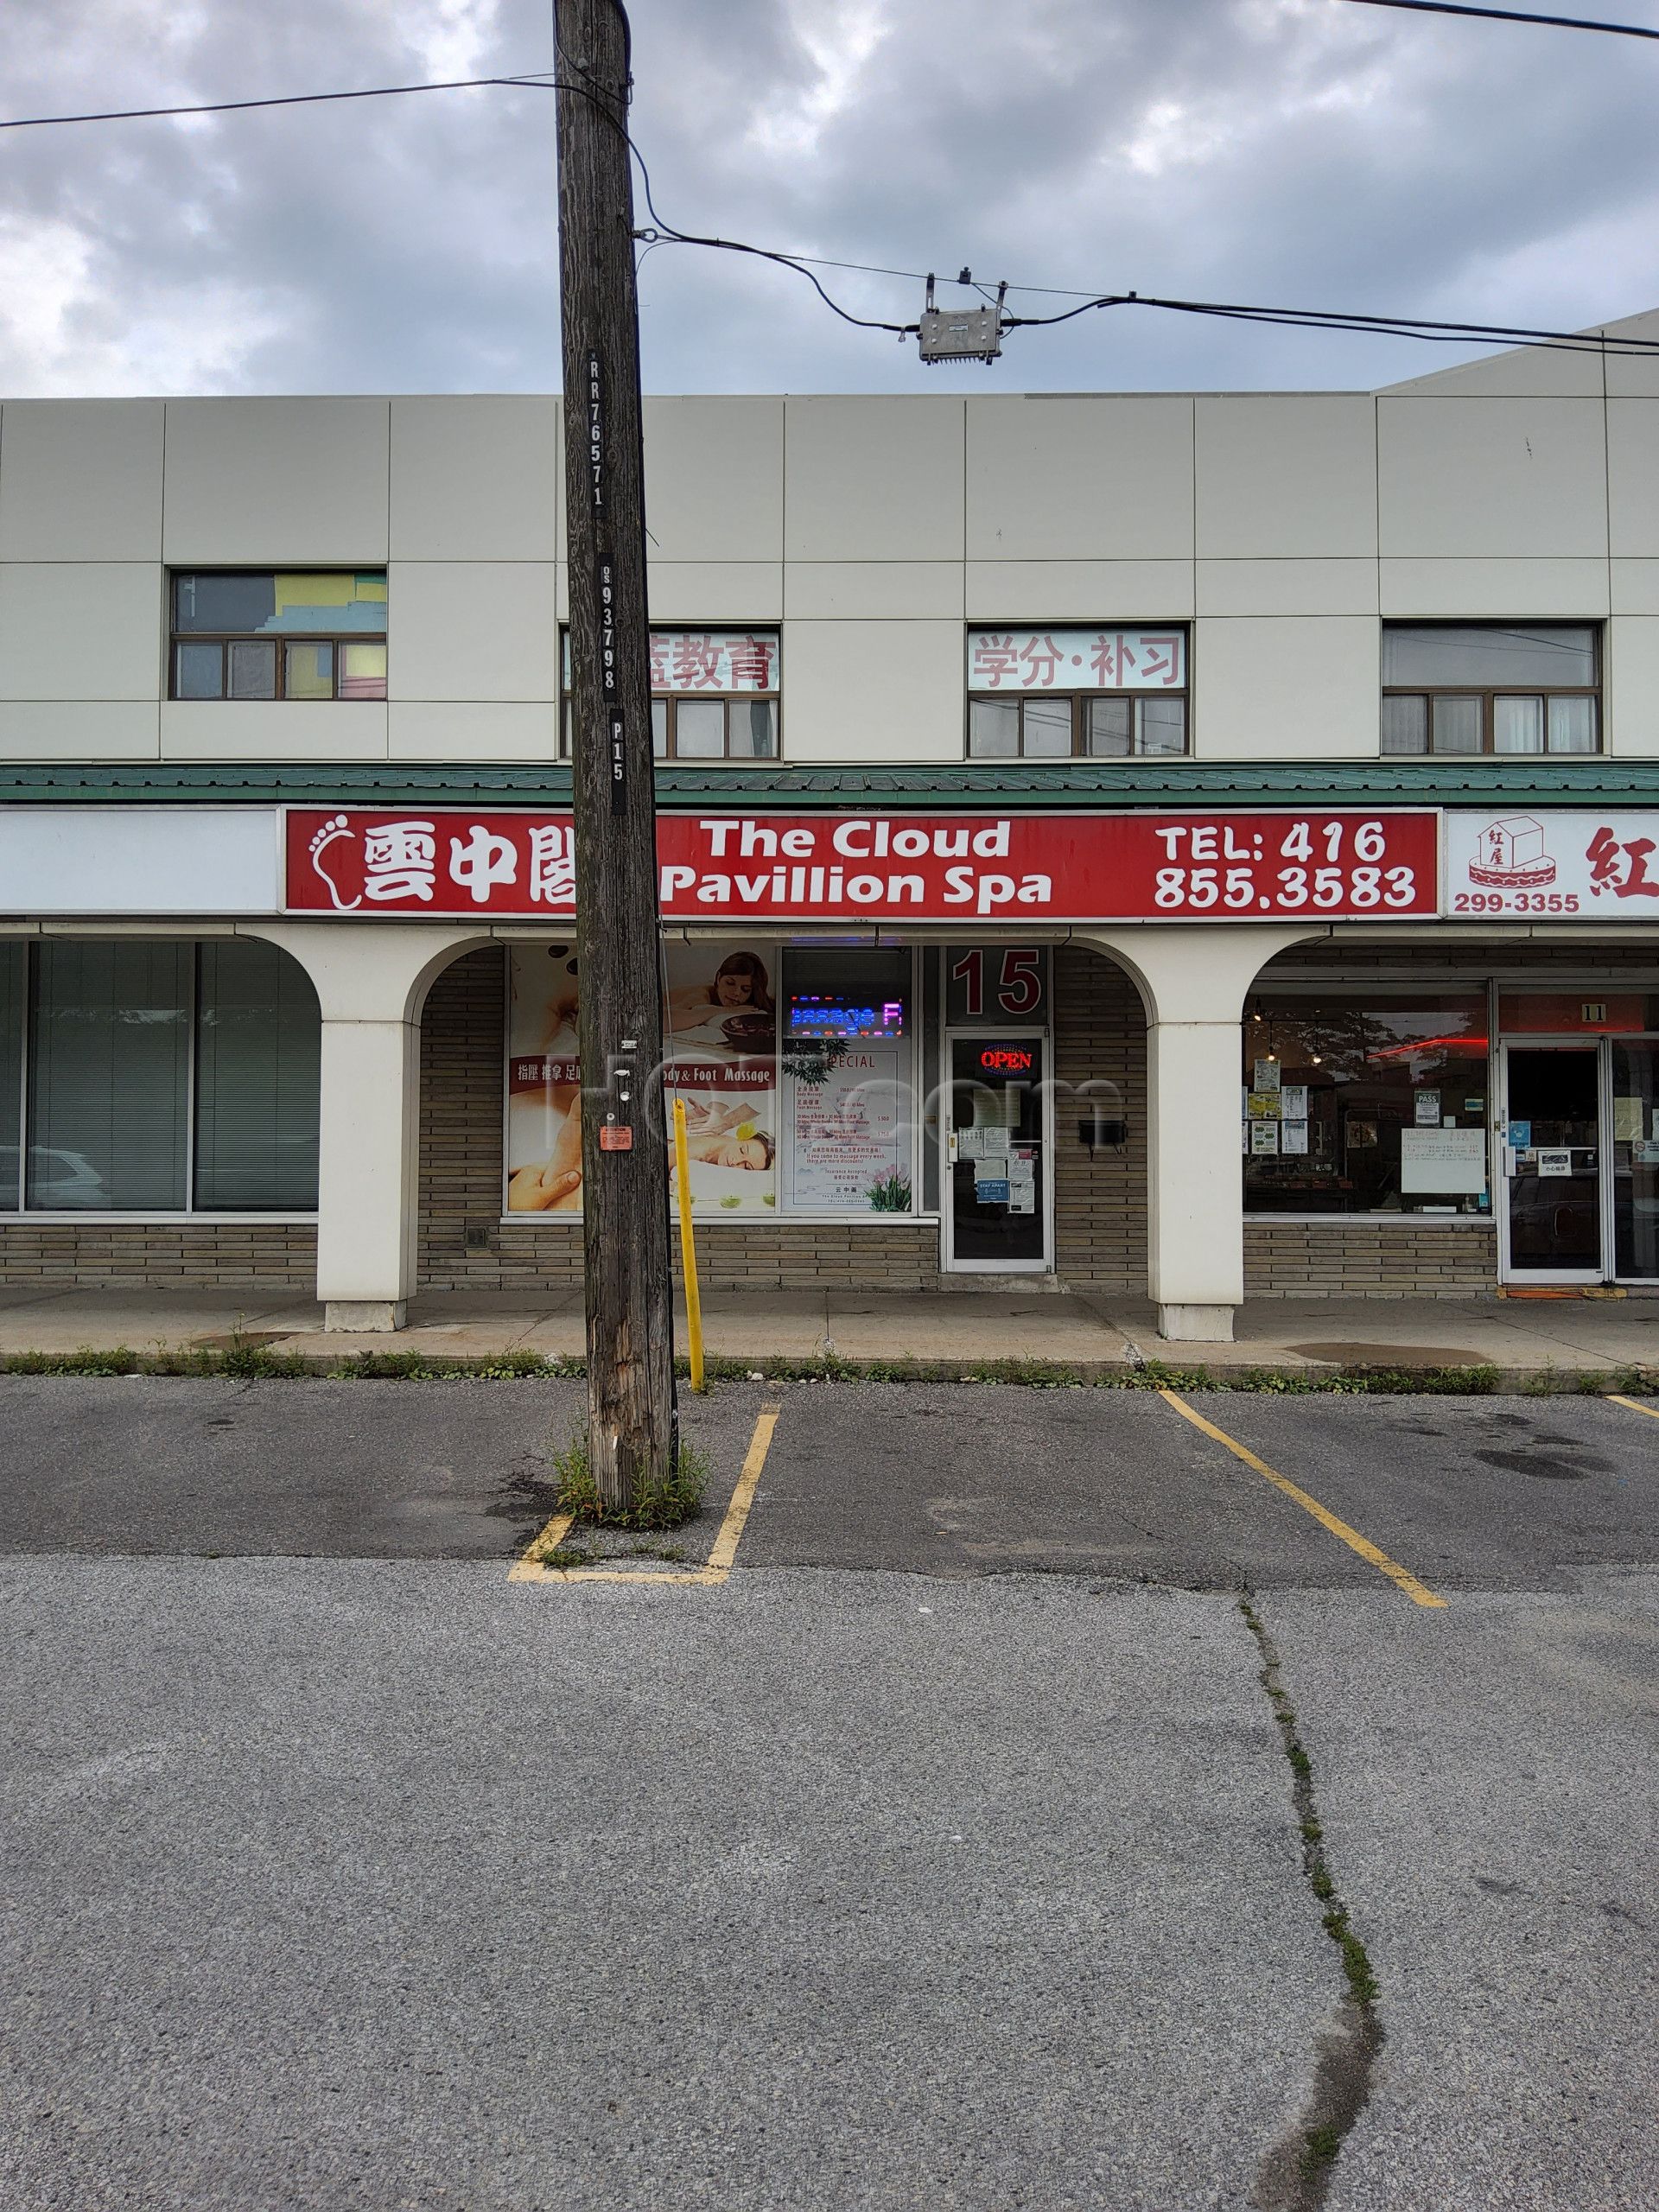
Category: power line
<point>1514,16</point>
<point>538,80</point>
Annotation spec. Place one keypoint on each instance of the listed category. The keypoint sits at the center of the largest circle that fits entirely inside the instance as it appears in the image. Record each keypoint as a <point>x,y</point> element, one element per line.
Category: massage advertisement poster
<point>721,1048</point>
<point>850,1132</point>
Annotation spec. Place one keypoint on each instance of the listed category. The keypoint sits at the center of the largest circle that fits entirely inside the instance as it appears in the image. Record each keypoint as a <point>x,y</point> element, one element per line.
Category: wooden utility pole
<point>632,1435</point>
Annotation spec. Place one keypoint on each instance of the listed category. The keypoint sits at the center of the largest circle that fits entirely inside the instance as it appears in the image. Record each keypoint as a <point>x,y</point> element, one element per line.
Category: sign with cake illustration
<point>1552,863</point>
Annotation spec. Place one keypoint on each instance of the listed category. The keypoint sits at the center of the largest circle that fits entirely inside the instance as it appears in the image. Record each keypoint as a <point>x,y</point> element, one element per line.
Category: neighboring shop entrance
<point>998,1210</point>
<point>1579,1201</point>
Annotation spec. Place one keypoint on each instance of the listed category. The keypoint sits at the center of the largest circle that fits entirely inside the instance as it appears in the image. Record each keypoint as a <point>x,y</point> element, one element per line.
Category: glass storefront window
<point>1333,1085</point>
<point>849,1048</point>
<point>257,1071</point>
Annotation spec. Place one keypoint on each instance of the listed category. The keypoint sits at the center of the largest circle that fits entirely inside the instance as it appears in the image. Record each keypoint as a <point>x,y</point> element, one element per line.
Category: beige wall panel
<point>715,480</point>
<point>1633,476</point>
<point>474,479</point>
<point>1630,685</point>
<point>1093,479</point>
<point>1482,590</point>
<point>81,630</point>
<point>1635,587</point>
<point>873,591</point>
<point>80,480</point>
<point>1633,375</point>
<point>873,478</point>
<point>1498,477</point>
<point>862,691</point>
<point>274,729</point>
<point>114,730</point>
<point>1288,475</point>
<point>276,483</point>
<point>472,630</point>
<point>1287,587</point>
<point>418,729</point>
<point>715,591</point>
<point>1528,371</point>
<point>1281,689</point>
<point>1078,591</point>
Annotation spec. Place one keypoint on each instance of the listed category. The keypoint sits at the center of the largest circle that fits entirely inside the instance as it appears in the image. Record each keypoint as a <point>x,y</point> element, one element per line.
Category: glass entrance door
<point>1634,1149</point>
<point>1552,1162</point>
<point>996,1143</point>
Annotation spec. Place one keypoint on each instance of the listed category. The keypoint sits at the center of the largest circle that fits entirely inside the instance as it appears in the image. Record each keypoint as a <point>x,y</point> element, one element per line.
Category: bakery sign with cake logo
<point>1550,863</point>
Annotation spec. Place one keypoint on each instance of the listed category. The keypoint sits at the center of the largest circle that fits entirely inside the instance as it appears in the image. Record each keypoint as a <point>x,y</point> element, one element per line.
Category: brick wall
<point>257,1256</point>
<point>1369,1259</point>
<point>1100,1204</point>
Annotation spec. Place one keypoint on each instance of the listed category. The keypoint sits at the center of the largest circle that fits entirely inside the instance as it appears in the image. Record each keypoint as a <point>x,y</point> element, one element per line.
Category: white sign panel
<point>1077,660</point>
<point>849,1149</point>
<point>1594,866</point>
<point>140,859</point>
<point>1443,1161</point>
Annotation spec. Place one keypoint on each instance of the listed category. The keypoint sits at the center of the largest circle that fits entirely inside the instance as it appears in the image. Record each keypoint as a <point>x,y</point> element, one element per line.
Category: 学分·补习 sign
<point>1028,868</point>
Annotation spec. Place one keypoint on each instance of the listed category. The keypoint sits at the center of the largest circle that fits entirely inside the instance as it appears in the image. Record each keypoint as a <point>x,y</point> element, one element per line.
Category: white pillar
<point>1193,981</point>
<point>370,980</point>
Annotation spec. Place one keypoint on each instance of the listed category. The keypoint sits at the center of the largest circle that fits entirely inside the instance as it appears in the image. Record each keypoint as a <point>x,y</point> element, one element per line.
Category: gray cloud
<point>1298,152</point>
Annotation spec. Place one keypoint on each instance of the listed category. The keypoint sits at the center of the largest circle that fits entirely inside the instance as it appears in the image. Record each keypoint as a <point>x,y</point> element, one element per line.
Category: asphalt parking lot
<point>948,1852</point>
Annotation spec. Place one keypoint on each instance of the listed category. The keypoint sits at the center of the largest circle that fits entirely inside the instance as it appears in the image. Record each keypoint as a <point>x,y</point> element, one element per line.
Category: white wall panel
<point>474,479</point>
<point>715,591</point>
<point>1630,685</point>
<point>1078,591</point>
<point>1492,590</point>
<point>80,480</point>
<point>81,730</point>
<point>276,483</point>
<point>419,730</point>
<point>874,590</point>
<point>1633,476</point>
<point>1491,477</point>
<point>273,730</point>
<point>81,630</point>
<point>471,630</point>
<point>1288,475</point>
<point>1287,587</point>
<point>864,691</point>
<point>1094,479</point>
<point>1285,688</point>
<point>868,477</point>
<point>715,480</point>
<point>123,860</point>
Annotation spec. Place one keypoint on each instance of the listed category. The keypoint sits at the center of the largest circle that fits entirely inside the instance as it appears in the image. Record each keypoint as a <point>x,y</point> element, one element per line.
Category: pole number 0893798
<point>1281,867</point>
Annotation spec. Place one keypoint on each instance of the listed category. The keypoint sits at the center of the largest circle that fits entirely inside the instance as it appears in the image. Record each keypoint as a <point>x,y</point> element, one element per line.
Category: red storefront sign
<point>889,868</point>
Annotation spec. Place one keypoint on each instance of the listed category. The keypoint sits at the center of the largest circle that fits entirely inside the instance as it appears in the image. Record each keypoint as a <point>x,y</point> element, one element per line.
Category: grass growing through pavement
<point>666,1504</point>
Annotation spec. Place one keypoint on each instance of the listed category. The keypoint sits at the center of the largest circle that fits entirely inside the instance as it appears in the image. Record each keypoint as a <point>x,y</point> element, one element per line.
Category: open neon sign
<point>1006,1060</point>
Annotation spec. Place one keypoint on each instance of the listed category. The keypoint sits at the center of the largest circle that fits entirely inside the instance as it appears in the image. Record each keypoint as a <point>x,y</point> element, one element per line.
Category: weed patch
<point>665,1504</point>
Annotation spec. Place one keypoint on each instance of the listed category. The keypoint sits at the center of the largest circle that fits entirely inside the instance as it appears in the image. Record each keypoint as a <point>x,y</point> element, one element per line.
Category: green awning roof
<point>978,784</point>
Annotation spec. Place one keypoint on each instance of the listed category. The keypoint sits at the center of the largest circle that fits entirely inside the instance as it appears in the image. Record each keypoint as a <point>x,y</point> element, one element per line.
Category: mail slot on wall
<point>1103,1127</point>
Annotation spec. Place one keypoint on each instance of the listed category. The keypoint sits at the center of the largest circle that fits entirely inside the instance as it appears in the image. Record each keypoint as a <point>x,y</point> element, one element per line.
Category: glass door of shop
<point>999,1212</point>
<point>1550,1206</point>
<point>1633,1156</point>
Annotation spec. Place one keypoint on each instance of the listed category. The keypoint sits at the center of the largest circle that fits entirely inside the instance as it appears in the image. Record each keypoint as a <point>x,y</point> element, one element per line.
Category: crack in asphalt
<point>1296,2173</point>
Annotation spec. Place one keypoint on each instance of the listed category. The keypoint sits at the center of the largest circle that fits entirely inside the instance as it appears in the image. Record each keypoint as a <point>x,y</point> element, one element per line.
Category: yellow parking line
<point>1634,1405</point>
<point>529,1566</point>
<point>1414,1589</point>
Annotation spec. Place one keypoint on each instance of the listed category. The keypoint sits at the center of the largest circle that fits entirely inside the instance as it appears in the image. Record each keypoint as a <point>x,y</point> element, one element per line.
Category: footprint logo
<point>332,831</point>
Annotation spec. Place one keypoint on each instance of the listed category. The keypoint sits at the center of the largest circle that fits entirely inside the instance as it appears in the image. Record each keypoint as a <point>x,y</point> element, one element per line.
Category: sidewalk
<point>1080,1330</point>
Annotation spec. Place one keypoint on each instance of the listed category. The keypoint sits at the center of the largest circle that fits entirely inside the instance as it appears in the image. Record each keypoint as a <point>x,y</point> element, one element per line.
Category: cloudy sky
<point>1299,152</point>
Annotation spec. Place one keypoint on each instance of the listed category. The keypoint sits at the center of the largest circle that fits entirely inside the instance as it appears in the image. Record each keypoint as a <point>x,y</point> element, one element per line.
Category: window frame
<point>671,700</point>
<point>280,639</point>
<point>1488,695</point>
<point>1079,702</point>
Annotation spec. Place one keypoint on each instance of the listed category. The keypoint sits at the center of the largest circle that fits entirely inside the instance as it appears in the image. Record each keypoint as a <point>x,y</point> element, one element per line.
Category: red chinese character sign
<point>1587,865</point>
<point>1022,870</point>
<point>1071,659</point>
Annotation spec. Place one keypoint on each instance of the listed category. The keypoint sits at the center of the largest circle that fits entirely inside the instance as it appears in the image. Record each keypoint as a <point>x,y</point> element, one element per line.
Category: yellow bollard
<point>688,1250</point>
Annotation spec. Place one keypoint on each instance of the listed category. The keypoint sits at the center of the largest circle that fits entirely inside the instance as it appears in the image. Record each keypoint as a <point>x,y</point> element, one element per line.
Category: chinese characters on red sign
<point>898,867</point>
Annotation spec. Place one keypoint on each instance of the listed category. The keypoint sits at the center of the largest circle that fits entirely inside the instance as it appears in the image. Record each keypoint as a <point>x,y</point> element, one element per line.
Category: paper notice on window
<point>1553,1163</point>
<point>1265,1076</point>
<point>1022,1185</point>
<point>1264,1136</point>
<point>992,1193</point>
<point>1263,1105</point>
<point>1293,1136</point>
<point>971,1144</point>
<point>1292,1105</point>
<point>1630,1125</point>
<point>993,1158</point>
<point>1426,1106</point>
<point>1446,1161</point>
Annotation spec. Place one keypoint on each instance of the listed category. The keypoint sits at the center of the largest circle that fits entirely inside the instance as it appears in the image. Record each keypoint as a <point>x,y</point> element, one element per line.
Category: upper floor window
<point>714,695</point>
<point>1094,694</point>
<point>1491,687</point>
<point>279,634</point>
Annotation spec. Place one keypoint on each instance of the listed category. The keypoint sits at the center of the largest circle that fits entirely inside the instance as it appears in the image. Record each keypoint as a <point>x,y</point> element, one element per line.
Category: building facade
<point>1198,846</point>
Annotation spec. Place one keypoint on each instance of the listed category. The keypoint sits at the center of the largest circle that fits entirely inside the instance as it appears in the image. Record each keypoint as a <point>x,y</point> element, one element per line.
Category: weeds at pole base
<point>667,1504</point>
